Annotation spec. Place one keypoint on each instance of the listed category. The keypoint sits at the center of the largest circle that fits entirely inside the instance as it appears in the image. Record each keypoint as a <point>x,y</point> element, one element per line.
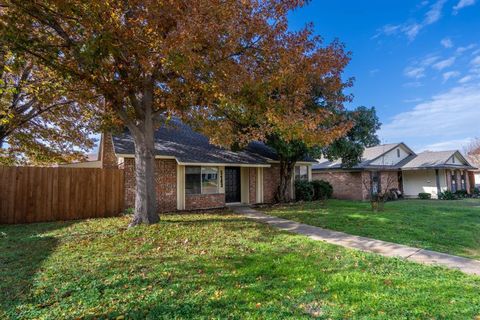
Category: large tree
<point>299,101</point>
<point>363,134</point>
<point>38,121</point>
<point>358,131</point>
<point>150,59</point>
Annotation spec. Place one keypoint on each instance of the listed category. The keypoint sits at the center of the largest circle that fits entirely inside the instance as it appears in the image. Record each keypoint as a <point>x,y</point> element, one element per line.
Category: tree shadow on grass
<point>281,282</point>
<point>23,249</point>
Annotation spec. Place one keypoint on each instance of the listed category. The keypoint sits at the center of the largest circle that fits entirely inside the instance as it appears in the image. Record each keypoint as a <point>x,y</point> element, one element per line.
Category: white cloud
<point>466,79</point>
<point>412,29</point>
<point>414,72</point>
<point>476,61</point>
<point>450,115</point>
<point>455,144</point>
<point>413,100</point>
<point>446,43</point>
<point>374,72</point>
<point>435,12</point>
<point>461,50</point>
<point>413,84</point>
<point>449,75</point>
<point>444,63</point>
<point>462,4</point>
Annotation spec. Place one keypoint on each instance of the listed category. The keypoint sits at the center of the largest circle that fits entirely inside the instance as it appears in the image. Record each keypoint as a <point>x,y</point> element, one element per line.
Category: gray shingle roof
<point>369,155</point>
<point>434,159</point>
<point>423,160</point>
<point>178,140</point>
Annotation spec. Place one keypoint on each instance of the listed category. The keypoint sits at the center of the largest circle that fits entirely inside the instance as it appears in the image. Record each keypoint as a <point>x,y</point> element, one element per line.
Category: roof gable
<point>371,158</point>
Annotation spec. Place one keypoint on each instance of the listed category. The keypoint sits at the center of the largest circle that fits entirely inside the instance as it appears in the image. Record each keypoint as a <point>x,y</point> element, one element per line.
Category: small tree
<point>381,195</point>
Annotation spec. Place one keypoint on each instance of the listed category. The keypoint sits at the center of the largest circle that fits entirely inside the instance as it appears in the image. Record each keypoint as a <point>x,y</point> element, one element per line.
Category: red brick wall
<point>346,185</point>
<point>271,179</point>
<point>204,201</point>
<point>166,184</point>
<point>355,185</point>
<point>109,160</point>
<point>252,185</point>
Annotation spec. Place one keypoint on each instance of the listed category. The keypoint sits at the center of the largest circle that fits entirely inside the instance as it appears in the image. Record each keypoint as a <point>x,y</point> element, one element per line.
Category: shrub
<point>424,195</point>
<point>461,194</point>
<point>447,195</point>
<point>303,191</point>
<point>321,189</point>
<point>476,192</point>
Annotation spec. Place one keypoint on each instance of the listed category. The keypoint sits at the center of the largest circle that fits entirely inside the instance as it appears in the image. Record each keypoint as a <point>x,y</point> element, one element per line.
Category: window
<point>375,183</point>
<point>464,181</point>
<point>301,173</point>
<point>453,177</point>
<point>453,159</point>
<point>201,180</point>
<point>209,180</point>
<point>398,153</point>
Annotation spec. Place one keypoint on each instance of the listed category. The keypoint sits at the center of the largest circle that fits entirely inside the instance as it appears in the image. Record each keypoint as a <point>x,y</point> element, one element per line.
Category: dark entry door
<point>232,184</point>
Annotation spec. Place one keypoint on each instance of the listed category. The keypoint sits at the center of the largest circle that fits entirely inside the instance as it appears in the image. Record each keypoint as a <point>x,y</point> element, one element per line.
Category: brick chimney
<point>107,154</point>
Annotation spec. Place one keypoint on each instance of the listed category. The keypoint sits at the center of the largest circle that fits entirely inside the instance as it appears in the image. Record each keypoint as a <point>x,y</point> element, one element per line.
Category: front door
<point>232,185</point>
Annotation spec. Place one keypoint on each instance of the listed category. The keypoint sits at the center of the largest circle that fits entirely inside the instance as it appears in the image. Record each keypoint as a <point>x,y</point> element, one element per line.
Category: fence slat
<point>37,194</point>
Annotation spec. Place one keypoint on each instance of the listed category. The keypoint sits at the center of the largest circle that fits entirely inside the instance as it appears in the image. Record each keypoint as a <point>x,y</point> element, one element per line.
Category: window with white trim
<point>301,173</point>
<point>201,180</point>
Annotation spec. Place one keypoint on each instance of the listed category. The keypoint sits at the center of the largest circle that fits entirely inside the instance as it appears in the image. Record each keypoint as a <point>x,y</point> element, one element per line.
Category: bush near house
<point>313,190</point>
<point>462,194</point>
<point>322,189</point>
<point>447,195</point>
<point>459,194</point>
<point>303,191</point>
<point>425,195</point>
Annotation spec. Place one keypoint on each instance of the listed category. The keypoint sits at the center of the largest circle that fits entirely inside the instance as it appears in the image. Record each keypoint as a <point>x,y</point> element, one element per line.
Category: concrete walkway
<point>384,248</point>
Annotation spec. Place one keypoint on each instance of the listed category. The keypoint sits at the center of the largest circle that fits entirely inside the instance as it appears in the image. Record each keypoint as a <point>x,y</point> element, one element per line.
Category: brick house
<point>396,166</point>
<point>193,174</point>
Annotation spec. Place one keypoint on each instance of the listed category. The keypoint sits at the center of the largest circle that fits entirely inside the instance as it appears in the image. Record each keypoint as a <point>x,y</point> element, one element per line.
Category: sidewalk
<point>384,248</point>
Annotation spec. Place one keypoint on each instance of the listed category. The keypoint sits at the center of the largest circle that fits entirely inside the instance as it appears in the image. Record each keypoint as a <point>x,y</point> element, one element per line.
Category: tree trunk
<point>286,171</point>
<point>145,189</point>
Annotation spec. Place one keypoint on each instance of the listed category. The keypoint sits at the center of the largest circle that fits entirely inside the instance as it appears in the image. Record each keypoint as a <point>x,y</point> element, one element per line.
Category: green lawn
<point>446,226</point>
<point>212,266</point>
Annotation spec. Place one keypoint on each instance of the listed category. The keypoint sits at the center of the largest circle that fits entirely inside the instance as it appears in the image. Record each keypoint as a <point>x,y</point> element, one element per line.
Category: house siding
<point>417,181</point>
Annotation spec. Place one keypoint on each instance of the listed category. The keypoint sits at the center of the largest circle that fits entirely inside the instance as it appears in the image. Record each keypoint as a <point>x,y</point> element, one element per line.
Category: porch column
<point>458,178</point>
<point>467,181</point>
<point>180,187</point>
<point>449,179</point>
<point>259,185</point>
<point>437,181</point>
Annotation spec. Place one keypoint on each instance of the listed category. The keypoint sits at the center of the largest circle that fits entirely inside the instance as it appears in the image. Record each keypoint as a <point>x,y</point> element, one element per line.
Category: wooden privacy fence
<point>36,194</point>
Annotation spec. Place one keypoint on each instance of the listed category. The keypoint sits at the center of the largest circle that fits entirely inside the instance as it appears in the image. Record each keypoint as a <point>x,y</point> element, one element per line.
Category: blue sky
<point>417,62</point>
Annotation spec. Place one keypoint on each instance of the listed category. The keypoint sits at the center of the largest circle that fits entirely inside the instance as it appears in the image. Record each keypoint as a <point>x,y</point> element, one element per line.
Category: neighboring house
<point>92,161</point>
<point>474,159</point>
<point>193,174</point>
<point>396,166</point>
